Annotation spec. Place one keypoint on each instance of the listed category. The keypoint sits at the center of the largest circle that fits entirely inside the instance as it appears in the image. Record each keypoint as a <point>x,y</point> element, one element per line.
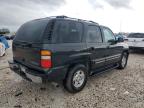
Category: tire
<point>76,79</point>
<point>123,61</point>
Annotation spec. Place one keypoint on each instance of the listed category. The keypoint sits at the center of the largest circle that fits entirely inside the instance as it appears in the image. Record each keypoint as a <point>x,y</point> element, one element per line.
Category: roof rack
<point>65,17</point>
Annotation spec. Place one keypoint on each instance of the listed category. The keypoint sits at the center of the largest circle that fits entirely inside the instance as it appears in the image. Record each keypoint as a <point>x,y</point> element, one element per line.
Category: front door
<point>113,51</point>
<point>95,47</point>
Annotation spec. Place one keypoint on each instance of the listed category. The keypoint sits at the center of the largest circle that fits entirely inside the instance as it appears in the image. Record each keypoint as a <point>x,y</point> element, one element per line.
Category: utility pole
<point>120,26</point>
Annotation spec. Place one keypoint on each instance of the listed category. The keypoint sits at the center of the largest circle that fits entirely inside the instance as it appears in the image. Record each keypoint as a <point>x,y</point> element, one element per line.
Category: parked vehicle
<point>4,41</point>
<point>2,49</point>
<point>12,37</point>
<point>68,50</point>
<point>136,41</point>
<point>3,45</point>
<point>9,36</point>
<point>121,37</point>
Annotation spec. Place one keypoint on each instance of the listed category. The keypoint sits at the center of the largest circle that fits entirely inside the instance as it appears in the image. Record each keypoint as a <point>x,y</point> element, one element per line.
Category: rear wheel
<point>123,61</point>
<point>76,79</point>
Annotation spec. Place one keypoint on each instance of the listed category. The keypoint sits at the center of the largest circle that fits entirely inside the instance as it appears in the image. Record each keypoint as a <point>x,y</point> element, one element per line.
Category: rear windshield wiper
<point>23,44</point>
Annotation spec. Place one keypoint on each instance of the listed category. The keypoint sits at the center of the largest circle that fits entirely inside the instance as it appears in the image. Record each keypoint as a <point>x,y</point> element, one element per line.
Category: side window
<point>68,32</point>
<point>108,35</point>
<point>94,34</point>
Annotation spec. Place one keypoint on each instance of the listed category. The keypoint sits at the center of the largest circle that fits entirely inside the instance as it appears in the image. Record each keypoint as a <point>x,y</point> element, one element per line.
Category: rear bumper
<point>55,74</point>
<point>136,45</point>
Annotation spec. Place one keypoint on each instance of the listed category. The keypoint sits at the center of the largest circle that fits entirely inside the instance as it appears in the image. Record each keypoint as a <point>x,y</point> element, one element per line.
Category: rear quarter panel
<point>67,53</point>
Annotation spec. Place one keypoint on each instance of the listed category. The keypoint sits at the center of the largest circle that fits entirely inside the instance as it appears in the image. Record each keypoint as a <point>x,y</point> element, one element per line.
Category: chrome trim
<point>100,60</point>
<point>46,57</point>
<point>113,57</point>
<point>117,55</point>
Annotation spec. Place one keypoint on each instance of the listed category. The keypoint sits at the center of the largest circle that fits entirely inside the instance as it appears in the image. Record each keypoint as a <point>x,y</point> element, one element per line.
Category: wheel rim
<point>124,60</point>
<point>78,78</point>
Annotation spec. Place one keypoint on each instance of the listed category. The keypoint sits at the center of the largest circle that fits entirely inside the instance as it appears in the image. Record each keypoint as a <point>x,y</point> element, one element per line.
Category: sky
<point>119,15</point>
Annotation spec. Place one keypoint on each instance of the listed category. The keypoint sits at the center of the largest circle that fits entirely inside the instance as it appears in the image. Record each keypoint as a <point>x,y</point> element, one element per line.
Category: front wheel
<point>76,79</point>
<point>123,61</point>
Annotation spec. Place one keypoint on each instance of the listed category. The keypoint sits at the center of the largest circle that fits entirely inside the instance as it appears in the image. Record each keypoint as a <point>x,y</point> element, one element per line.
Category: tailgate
<point>28,41</point>
<point>27,54</point>
<point>137,42</point>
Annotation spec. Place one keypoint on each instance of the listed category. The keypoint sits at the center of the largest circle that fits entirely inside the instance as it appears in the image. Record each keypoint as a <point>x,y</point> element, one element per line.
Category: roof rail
<point>65,17</point>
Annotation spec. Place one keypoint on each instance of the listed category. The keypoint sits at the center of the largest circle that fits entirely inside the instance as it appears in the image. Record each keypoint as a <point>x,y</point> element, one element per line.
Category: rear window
<point>136,35</point>
<point>31,31</point>
<point>67,32</point>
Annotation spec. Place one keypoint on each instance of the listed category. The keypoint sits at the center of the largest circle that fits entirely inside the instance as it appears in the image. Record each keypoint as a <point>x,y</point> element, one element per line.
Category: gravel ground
<point>114,89</point>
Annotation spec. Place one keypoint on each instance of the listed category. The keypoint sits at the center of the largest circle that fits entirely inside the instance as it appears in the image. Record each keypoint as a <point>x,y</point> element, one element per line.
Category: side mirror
<point>112,41</point>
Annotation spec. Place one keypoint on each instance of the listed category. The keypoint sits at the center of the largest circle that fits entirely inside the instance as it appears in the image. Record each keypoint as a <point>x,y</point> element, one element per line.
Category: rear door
<point>113,51</point>
<point>95,46</point>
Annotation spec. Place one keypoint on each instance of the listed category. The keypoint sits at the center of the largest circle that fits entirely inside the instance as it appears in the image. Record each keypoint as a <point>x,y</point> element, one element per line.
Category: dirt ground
<point>114,89</point>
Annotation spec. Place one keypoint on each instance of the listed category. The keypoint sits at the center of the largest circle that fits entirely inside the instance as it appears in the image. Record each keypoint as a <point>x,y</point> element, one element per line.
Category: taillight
<point>46,61</point>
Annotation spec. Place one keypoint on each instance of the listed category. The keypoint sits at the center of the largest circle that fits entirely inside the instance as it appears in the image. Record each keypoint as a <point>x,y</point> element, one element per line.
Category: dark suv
<point>68,50</point>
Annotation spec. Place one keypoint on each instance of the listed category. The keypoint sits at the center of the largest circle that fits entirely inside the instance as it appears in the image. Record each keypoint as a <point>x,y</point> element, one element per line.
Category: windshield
<point>31,31</point>
<point>136,35</point>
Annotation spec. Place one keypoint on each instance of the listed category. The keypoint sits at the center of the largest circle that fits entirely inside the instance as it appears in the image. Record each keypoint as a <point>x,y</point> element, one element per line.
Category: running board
<point>103,70</point>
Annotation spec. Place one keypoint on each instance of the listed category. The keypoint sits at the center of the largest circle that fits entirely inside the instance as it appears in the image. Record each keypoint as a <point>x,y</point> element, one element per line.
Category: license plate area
<point>35,79</point>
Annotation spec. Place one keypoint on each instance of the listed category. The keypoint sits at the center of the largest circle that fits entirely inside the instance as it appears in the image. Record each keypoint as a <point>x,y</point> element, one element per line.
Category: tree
<point>4,31</point>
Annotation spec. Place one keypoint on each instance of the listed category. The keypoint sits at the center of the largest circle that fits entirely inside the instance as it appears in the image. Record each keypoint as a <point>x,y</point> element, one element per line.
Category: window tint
<point>108,35</point>
<point>31,31</point>
<point>68,32</point>
<point>94,34</point>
